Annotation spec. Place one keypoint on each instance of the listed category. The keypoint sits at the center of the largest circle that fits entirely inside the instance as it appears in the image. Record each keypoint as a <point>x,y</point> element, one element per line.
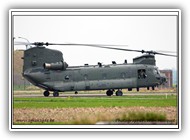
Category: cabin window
<point>142,74</point>
<point>67,77</point>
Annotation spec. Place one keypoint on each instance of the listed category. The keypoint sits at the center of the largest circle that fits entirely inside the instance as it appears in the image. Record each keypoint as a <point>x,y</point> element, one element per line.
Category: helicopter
<point>46,69</point>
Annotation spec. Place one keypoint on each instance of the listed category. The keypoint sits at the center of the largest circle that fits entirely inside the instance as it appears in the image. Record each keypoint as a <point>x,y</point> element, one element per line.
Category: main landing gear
<point>46,93</point>
<point>119,93</point>
<point>110,92</point>
<point>55,93</point>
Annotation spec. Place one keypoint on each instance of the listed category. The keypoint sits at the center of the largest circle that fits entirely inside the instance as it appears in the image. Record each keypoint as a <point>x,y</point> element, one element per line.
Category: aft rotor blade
<point>98,46</point>
<point>22,43</point>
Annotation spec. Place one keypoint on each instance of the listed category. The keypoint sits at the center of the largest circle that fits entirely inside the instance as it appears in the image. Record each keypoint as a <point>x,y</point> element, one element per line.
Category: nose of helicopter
<point>163,79</point>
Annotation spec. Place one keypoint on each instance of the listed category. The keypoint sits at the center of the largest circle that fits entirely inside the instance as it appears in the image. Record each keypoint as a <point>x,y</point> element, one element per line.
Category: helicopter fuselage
<point>117,76</point>
<point>46,69</point>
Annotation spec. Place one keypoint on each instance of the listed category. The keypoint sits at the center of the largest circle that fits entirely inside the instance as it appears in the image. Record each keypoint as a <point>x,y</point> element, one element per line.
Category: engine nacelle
<point>56,66</point>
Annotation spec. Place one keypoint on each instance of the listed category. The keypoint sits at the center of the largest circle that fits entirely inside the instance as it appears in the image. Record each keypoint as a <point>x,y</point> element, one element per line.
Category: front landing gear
<point>46,93</point>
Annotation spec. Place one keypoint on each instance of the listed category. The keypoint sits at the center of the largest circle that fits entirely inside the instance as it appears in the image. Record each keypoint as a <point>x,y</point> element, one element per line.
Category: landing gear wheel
<point>152,87</point>
<point>137,89</point>
<point>46,93</point>
<point>109,92</point>
<point>119,93</point>
<point>55,93</point>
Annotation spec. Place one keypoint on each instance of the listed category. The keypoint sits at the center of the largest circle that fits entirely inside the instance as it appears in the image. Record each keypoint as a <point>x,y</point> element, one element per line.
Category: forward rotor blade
<point>165,54</point>
<point>158,53</point>
<point>161,51</point>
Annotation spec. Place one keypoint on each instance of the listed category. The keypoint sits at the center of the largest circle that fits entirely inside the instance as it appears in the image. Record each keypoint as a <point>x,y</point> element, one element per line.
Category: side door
<point>142,77</point>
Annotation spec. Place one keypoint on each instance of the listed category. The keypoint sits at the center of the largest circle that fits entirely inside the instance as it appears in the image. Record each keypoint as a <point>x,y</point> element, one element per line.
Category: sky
<point>158,33</point>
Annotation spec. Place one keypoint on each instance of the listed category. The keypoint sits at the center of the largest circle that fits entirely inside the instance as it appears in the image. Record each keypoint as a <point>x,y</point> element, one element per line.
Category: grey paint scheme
<point>114,76</point>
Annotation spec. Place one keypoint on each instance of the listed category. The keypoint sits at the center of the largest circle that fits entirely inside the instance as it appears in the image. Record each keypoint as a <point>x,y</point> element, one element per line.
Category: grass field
<point>90,110</point>
<point>124,101</point>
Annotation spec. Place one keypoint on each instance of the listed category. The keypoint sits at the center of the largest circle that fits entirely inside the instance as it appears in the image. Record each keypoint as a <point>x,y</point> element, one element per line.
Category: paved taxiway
<point>29,95</point>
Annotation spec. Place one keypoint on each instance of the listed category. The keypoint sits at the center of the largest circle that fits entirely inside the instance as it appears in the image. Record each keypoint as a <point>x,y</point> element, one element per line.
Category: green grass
<point>124,101</point>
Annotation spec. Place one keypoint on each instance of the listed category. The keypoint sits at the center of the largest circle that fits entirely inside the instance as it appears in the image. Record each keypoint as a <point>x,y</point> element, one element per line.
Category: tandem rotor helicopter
<point>46,68</point>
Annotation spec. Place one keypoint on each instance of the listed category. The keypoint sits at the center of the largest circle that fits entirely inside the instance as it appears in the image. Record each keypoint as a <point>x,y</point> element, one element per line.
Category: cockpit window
<point>156,71</point>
